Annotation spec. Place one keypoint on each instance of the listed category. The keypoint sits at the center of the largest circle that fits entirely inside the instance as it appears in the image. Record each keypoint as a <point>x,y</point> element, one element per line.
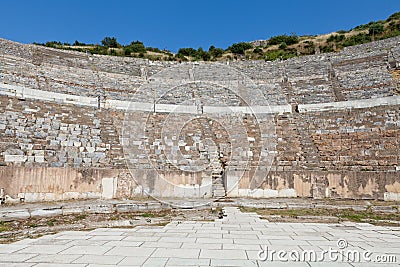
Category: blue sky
<point>178,23</point>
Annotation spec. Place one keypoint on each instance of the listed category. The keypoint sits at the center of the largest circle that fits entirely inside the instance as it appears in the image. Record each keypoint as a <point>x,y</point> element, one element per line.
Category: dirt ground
<point>330,215</point>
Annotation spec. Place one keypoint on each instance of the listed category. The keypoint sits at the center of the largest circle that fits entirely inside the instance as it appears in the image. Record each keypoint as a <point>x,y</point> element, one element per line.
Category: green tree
<point>137,47</point>
<point>215,52</point>
<point>127,51</point>
<point>110,42</point>
<point>287,39</point>
<point>77,43</point>
<point>201,54</point>
<point>178,56</point>
<point>258,50</point>
<point>188,52</point>
<point>376,28</point>
<point>239,48</point>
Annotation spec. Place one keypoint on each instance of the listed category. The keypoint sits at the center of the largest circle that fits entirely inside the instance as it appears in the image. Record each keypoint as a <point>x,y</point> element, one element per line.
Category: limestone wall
<point>334,150</point>
<point>339,138</point>
<point>46,134</point>
<point>49,184</point>
<point>355,73</point>
<point>319,184</point>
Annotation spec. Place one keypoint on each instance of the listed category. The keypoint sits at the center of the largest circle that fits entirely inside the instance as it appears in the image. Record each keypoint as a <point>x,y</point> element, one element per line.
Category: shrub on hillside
<point>98,49</point>
<point>215,52</point>
<point>327,49</point>
<point>188,52</point>
<point>279,54</point>
<point>179,57</point>
<point>239,48</point>
<point>376,28</point>
<point>287,39</point>
<point>198,54</point>
<point>53,44</point>
<point>258,50</point>
<point>77,43</point>
<point>336,38</point>
<point>394,16</point>
<point>361,38</point>
<point>136,47</point>
<point>202,55</point>
<point>283,46</point>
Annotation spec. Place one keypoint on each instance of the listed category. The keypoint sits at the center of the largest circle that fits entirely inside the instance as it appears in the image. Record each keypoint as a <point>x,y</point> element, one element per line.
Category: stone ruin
<point>75,126</point>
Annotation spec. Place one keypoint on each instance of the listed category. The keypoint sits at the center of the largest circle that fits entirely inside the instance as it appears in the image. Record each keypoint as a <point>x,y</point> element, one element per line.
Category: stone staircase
<point>110,134</point>
<point>310,155</point>
<point>337,89</point>
<point>218,189</point>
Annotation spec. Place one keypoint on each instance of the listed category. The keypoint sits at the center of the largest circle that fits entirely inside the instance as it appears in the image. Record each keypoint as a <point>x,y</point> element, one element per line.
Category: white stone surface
<point>23,92</point>
<point>15,158</point>
<point>234,240</point>
<point>391,196</point>
<point>364,103</point>
<point>109,187</point>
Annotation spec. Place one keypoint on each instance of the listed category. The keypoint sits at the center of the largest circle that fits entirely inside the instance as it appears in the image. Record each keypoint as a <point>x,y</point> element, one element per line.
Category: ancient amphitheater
<point>75,125</point>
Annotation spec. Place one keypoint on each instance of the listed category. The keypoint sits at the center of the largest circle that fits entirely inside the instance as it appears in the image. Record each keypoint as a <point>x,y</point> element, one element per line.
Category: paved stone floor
<point>239,239</point>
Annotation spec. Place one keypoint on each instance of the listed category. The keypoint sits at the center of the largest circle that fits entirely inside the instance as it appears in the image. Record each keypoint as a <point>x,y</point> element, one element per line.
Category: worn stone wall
<point>351,140</point>
<point>340,154</point>
<point>37,183</point>
<point>321,184</point>
<point>355,73</point>
<point>47,134</point>
<point>51,150</point>
<point>54,151</point>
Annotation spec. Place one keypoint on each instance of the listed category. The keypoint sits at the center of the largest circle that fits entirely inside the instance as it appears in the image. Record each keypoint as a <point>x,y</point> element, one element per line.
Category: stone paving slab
<point>54,258</point>
<point>236,240</point>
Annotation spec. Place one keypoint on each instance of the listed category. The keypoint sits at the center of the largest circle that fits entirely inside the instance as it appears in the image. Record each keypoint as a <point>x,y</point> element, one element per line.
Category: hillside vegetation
<point>277,47</point>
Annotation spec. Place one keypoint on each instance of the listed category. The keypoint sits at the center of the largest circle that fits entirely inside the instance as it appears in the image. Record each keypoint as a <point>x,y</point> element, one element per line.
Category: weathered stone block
<point>14,215</point>
<point>15,158</point>
<point>47,212</point>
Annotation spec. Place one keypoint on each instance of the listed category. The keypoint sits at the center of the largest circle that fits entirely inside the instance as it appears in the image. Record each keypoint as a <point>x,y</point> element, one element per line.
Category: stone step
<point>219,193</point>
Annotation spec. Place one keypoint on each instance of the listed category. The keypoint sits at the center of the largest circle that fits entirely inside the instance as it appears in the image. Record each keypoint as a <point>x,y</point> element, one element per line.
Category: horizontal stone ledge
<point>23,92</point>
<point>169,108</point>
<point>351,104</point>
<point>249,109</point>
<point>19,91</point>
